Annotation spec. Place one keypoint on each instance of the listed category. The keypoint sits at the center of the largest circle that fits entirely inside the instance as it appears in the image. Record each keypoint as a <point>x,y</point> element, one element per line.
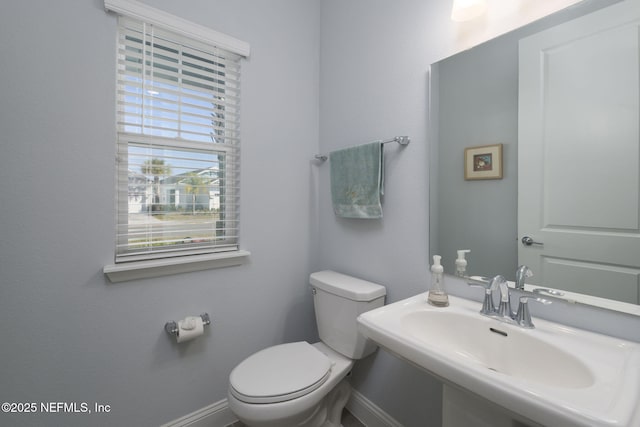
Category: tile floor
<point>348,420</point>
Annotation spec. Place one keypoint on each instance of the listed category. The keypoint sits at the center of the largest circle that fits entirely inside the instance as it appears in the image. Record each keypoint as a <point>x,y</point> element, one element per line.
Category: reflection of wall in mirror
<point>476,93</point>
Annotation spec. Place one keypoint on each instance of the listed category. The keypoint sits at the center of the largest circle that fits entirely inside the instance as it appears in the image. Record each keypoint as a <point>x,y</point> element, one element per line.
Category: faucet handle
<point>523,316</point>
<point>488,308</point>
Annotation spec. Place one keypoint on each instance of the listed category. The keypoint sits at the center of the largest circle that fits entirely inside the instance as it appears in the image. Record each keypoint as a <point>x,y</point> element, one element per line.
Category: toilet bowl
<point>302,384</point>
<point>294,391</point>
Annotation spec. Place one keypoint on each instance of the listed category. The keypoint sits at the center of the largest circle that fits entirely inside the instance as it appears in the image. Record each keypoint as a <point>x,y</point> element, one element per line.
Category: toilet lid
<point>279,373</point>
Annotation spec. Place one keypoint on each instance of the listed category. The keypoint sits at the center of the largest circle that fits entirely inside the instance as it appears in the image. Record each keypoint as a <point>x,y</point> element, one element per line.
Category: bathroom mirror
<point>474,102</point>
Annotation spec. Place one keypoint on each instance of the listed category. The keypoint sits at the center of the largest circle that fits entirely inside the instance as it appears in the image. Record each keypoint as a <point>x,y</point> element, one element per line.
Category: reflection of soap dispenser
<point>437,294</point>
<point>461,263</point>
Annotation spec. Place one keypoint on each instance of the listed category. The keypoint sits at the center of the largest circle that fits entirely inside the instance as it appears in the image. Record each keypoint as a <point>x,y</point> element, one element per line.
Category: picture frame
<point>483,162</point>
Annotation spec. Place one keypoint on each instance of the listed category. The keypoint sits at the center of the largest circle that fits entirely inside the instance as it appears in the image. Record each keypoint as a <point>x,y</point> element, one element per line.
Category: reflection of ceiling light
<point>153,92</point>
<point>466,10</point>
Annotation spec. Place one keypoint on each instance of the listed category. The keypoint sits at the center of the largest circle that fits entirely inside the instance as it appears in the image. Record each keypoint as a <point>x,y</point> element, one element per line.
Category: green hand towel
<point>357,181</point>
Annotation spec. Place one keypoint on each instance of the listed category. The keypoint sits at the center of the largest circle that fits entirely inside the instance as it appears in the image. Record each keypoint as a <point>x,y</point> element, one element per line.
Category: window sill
<point>165,267</point>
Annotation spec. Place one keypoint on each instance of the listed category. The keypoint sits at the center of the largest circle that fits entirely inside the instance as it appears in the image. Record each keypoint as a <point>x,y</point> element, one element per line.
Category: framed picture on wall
<point>483,162</point>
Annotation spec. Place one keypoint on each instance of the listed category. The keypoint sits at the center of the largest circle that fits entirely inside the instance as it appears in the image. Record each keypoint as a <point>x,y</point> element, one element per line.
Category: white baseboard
<point>370,414</point>
<point>215,415</point>
<point>219,415</point>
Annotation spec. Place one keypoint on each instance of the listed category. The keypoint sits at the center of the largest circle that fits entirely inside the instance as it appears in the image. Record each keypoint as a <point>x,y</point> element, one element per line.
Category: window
<point>178,144</point>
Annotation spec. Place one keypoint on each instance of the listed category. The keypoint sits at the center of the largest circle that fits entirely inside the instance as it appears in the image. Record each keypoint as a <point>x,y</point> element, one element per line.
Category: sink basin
<point>553,375</point>
<point>513,352</point>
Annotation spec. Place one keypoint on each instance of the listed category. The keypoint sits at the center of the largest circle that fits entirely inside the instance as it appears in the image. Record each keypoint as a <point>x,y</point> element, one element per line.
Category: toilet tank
<point>338,300</point>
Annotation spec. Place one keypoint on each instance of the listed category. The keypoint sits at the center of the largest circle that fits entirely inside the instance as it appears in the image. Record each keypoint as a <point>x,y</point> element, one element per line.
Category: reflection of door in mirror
<point>578,119</point>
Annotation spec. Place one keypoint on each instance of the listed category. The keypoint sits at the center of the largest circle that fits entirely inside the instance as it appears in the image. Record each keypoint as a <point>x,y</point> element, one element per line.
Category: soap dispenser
<point>437,294</point>
<point>461,263</point>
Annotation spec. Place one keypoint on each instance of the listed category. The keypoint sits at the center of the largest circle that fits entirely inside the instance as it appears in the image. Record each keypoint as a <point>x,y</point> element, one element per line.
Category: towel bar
<point>402,140</point>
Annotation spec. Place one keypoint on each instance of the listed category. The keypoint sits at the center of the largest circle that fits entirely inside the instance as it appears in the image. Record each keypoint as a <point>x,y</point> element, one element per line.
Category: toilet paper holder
<point>172,326</point>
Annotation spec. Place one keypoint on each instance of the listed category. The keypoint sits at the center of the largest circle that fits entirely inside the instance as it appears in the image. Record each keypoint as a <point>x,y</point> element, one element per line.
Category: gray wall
<point>374,62</point>
<point>478,105</point>
<point>67,333</point>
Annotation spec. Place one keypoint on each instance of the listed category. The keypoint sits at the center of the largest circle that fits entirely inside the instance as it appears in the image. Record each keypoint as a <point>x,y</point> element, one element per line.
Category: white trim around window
<point>215,76</point>
<point>151,15</point>
<point>165,267</point>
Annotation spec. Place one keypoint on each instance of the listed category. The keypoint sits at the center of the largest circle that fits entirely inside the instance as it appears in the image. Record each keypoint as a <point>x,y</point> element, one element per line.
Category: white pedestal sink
<point>552,375</point>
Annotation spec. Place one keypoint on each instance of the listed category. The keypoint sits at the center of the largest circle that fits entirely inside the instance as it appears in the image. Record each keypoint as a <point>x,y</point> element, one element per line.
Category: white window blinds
<point>178,145</point>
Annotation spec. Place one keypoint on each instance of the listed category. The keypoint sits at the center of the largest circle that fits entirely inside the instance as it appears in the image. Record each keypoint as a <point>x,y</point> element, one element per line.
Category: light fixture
<point>466,10</point>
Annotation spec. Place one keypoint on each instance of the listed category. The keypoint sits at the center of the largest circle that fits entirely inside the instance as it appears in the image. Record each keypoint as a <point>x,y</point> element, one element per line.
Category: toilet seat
<point>280,373</point>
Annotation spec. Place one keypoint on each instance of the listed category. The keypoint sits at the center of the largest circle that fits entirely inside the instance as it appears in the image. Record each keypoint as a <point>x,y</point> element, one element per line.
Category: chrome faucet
<point>491,285</point>
<point>504,311</point>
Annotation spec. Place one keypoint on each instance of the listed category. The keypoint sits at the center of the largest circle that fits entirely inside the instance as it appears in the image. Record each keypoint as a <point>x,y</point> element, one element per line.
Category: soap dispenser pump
<point>437,294</point>
<point>461,263</point>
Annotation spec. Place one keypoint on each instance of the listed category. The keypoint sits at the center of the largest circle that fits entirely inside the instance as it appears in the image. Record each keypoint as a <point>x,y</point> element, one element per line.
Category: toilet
<point>302,384</point>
